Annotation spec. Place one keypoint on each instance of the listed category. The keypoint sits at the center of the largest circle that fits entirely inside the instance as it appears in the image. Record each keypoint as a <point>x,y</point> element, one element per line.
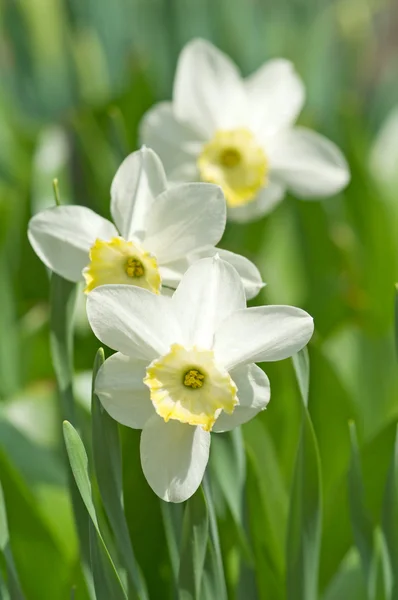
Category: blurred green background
<point>76,77</point>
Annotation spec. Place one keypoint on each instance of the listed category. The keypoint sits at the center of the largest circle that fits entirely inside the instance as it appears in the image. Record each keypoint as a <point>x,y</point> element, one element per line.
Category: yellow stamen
<point>119,261</point>
<point>230,157</point>
<point>134,267</point>
<point>235,161</point>
<point>194,379</point>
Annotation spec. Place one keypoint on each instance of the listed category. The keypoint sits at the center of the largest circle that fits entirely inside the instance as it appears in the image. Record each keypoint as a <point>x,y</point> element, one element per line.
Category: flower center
<point>230,157</point>
<point>194,379</point>
<point>190,394</point>
<point>134,267</point>
<point>234,160</point>
<point>119,261</point>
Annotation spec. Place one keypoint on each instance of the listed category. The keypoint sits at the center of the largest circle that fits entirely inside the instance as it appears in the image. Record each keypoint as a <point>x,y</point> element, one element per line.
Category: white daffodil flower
<point>158,232</point>
<point>185,366</point>
<point>239,133</point>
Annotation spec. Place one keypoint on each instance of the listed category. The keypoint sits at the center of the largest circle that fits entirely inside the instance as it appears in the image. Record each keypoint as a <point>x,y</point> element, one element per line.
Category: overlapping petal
<point>247,270</point>
<point>210,291</point>
<point>174,457</point>
<point>62,236</point>
<point>263,333</point>
<point>275,96</point>
<point>253,392</point>
<point>177,143</point>
<point>122,392</point>
<point>132,320</point>
<point>208,90</point>
<point>139,179</point>
<point>309,164</point>
<point>184,218</point>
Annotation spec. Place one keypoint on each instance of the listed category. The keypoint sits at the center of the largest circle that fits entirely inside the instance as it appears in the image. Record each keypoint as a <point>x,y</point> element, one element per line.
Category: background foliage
<point>76,78</point>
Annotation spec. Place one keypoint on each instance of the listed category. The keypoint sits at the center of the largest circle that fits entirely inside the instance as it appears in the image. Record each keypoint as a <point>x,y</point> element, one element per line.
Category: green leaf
<point>14,586</point>
<point>381,569</point>
<point>305,514</point>
<point>396,318</point>
<point>195,532</point>
<point>215,542</point>
<point>172,518</point>
<point>108,471</point>
<point>62,299</point>
<point>4,533</point>
<point>348,580</point>
<point>144,517</point>
<point>390,515</point>
<point>79,465</point>
<point>360,520</point>
<point>301,364</point>
<point>10,364</point>
<point>211,581</point>
<point>102,589</point>
<point>267,514</point>
<point>228,474</point>
<point>106,586</point>
<point>62,302</point>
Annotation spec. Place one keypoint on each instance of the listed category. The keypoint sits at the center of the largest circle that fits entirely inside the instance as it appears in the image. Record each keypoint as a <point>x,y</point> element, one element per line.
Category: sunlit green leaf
<point>217,558</point>
<point>228,474</point>
<point>396,318</point>
<point>195,533</point>
<point>381,569</point>
<point>361,522</point>
<point>172,521</point>
<point>390,516</point>
<point>305,515</point>
<point>301,363</point>
<point>79,465</point>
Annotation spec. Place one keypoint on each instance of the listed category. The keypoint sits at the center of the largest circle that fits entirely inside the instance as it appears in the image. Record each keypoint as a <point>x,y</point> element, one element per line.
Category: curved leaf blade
<point>79,465</point>
<point>14,586</point>
<point>305,513</point>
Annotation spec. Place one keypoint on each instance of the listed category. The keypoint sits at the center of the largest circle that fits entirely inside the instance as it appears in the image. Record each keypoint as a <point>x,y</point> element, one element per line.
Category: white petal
<point>139,179</point>
<point>253,392</point>
<point>209,291</point>
<point>132,320</point>
<point>122,392</point>
<point>309,164</point>
<point>265,202</point>
<point>183,218</point>
<point>172,273</point>
<point>248,272</point>
<point>177,144</point>
<point>276,96</point>
<point>262,333</point>
<point>63,235</point>
<point>208,90</point>
<point>174,458</point>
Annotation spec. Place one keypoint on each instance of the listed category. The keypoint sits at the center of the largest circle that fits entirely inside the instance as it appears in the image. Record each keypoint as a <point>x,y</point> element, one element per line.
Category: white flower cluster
<point>159,291</point>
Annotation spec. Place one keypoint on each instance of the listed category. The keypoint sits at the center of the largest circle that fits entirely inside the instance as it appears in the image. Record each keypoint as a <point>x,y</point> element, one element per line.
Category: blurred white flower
<point>239,133</point>
<point>185,366</point>
<point>159,232</point>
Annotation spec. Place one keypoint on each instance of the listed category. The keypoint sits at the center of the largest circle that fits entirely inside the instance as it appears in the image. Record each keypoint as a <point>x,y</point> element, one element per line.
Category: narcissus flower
<point>158,232</point>
<point>185,366</point>
<point>239,133</point>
